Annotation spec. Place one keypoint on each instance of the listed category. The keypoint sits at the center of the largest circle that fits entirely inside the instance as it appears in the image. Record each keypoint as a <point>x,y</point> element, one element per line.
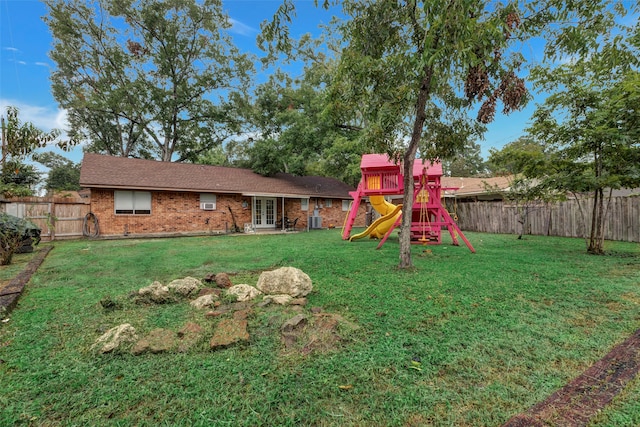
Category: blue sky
<point>25,65</point>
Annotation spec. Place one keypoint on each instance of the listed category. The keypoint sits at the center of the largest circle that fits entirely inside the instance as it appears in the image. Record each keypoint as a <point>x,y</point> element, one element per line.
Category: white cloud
<point>43,64</point>
<point>12,49</point>
<point>42,117</point>
<point>241,28</point>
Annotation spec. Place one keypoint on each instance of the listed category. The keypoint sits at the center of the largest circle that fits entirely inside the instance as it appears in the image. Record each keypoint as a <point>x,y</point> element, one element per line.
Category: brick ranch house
<point>143,197</point>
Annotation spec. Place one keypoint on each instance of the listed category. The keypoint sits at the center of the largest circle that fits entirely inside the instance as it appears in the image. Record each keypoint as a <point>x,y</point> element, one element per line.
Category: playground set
<point>382,177</point>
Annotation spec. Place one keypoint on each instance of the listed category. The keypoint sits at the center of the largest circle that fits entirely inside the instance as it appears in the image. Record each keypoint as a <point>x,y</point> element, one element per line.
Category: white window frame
<point>328,203</point>
<point>304,204</point>
<point>345,205</point>
<point>207,201</point>
<point>126,202</point>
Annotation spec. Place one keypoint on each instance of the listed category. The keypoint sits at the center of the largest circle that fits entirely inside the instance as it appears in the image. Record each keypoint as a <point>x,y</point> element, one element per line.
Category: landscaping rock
<point>292,328</point>
<point>228,332</point>
<point>185,287</point>
<point>155,292</point>
<point>299,301</point>
<point>207,291</point>
<point>285,280</point>
<point>158,341</point>
<point>296,322</point>
<point>204,301</point>
<point>188,336</point>
<point>243,292</point>
<point>279,299</point>
<point>115,338</point>
<point>223,281</point>
<point>243,314</point>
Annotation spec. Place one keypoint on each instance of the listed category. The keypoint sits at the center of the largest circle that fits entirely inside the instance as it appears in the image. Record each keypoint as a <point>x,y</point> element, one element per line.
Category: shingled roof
<point>100,171</point>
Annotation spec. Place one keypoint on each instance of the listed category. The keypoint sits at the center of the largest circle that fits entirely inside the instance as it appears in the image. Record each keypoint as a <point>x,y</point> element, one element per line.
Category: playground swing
<point>423,199</point>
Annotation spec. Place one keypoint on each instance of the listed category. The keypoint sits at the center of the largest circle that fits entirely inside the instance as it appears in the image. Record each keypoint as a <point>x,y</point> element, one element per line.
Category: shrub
<point>16,235</point>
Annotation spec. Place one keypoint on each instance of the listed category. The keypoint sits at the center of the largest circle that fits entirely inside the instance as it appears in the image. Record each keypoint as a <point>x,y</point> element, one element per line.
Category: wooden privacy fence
<point>557,219</point>
<point>58,217</point>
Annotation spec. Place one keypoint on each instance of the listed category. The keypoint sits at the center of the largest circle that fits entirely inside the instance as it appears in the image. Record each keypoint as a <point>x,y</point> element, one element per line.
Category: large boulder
<point>185,287</point>
<point>155,292</point>
<point>243,292</point>
<point>285,280</point>
<point>115,339</point>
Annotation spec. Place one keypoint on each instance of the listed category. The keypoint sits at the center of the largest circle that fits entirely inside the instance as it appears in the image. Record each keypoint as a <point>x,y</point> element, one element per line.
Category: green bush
<point>16,235</point>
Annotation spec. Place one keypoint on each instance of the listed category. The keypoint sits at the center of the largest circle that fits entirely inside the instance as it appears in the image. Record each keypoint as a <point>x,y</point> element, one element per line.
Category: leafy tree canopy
<point>146,78</point>
<point>63,173</point>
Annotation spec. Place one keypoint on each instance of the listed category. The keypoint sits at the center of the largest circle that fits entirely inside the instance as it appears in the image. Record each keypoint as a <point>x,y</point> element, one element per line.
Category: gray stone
<point>185,287</point>
<point>155,292</point>
<point>204,301</point>
<point>285,280</point>
<point>115,339</point>
<point>244,292</point>
<point>280,299</point>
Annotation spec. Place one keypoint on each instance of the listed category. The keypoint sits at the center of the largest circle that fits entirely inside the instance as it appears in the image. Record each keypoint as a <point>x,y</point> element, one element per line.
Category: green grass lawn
<point>495,332</point>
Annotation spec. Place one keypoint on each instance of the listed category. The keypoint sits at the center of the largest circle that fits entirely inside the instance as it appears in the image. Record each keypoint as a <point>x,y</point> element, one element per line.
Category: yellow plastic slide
<point>390,213</point>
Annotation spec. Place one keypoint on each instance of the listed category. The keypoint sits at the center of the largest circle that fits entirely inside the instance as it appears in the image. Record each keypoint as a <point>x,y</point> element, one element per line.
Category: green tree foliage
<point>63,173</point>
<point>146,78</point>
<point>293,133</point>
<point>523,156</point>
<point>19,141</point>
<point>589,124</point>
<point>468,162</point>
<point>415,68</point>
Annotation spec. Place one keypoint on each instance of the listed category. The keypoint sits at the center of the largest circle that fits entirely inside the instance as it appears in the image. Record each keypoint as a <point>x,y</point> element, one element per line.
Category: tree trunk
<point>408,159</point>
<point>597,216</point>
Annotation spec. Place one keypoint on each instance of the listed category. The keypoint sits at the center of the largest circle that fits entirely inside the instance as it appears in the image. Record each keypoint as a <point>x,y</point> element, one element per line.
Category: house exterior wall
<point>171,212</point>
<point>180,212</point>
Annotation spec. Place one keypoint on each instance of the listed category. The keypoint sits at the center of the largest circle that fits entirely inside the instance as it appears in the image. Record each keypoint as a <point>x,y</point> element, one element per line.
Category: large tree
<point>591,129</point>
<point>146,78</point>
<point>63,173</point>
<point>292,132</point>
<point>467,162</point>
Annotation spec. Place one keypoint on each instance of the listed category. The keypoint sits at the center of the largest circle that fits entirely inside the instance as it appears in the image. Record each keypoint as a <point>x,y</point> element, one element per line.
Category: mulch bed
<point>577,402</point>
<point>11,292</point>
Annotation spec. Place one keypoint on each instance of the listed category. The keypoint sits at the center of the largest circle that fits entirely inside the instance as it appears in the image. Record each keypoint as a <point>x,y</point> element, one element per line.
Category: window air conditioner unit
<point>208,206</point>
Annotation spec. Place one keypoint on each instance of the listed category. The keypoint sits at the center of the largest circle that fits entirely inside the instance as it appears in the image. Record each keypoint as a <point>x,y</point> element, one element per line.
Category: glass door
<point>266,212</point>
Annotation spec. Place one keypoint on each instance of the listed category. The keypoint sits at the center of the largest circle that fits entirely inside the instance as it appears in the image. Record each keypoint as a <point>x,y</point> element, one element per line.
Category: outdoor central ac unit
<point>208,206</point>
<point>315,222</point>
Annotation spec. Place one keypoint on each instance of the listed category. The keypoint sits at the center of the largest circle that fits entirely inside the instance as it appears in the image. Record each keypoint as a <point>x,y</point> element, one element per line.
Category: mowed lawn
<point>462,340</point>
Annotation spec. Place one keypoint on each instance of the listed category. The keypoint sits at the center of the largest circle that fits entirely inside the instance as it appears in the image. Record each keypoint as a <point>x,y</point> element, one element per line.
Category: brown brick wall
<point>171,212</point>
<point>179,212</point>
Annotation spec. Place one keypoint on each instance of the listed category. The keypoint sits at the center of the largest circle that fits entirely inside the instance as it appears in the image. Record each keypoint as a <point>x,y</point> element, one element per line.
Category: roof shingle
<point>100,171</point>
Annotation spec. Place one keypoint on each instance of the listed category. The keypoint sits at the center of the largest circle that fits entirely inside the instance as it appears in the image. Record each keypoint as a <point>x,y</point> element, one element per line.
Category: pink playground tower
<point>381,177</point>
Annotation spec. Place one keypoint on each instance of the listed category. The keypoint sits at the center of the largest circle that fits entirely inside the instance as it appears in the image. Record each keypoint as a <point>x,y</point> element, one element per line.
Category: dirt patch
<point>320,333</point>
<point>577,402</point>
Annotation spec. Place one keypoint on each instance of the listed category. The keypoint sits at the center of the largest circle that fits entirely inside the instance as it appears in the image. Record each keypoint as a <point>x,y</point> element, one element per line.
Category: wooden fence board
<point>58,218</point>
<point>559,219</point>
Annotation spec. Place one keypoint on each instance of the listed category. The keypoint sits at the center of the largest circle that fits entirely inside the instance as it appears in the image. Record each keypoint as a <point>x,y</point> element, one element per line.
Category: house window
<point>304,204</point>
<point>133,202</point>
<point>207,201</point>
<point>328,203</point>
<point>345,205</point>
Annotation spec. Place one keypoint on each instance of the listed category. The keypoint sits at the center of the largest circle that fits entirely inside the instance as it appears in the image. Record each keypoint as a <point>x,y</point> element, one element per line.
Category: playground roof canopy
<point>378,162</point>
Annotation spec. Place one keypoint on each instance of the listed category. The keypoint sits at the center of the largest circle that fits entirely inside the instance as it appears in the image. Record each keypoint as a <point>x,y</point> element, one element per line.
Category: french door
<point>265,212</point>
